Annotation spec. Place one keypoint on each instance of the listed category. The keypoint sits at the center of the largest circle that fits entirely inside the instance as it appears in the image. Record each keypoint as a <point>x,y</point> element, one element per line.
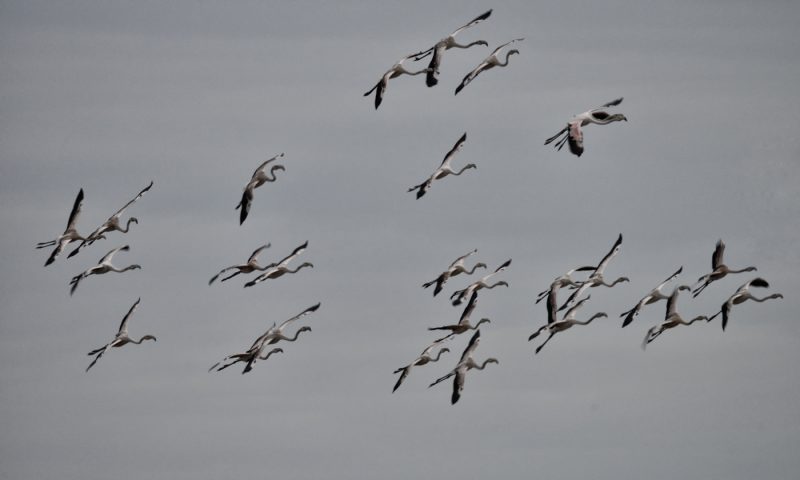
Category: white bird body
<point>112,224</point>
<point>444,169</point>
<point>259,177</point>
<point>394,72</point>
<point>120,339</point>
<point>455,268</point>
<point>459,296</point>
<point>554,326</point>
<point>596,278</point>
<point>104,266</point>
<point>573,133</point>
<point>493,60</point>
<point>464,365</point>
<point>70,233</point>
<point>742,295</point>
<point>654,296</point>
<point>671,319</point>
<point>270,337</point>
<point>249,267</point>
<point>718,269</point>
<point>446,44</point>
<point>564,281</point>
<point>281,268</point>
<point>463,324</point>
<point>423,359</point>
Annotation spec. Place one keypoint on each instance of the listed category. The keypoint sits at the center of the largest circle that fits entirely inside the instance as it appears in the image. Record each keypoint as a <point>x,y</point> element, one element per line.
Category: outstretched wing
<point>266,162</point>
<point>670,278</point>
<point>497,50</point>
<point>305,312</point>
<point>433,66</point>
<point>257,251</point>
<point>609,255</point>
<point>552,306</point>
<point>473,301</point>
<point>123,326</point>
<point>575,307</point>
<point>137,197</point>
<point>612,103</point>
<point>672,303</point>
<point>575,138</point>
<point>458,385</point>
<point>462,258</point>
<point>76,210</point>
<point>108,256</point>
<point>404,373</point>
<point>472,22</point>
<point>471,346</point>
<point>244,204</point>
<point>458,146</point>
<point>471,75</point>
<point>300,248</point>
<point>716,258</point>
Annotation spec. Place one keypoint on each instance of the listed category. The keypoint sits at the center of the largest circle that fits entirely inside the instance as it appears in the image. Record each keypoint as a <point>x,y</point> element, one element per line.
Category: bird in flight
<point>260,176</point>
<point>120,339</point>
<point>573,133</point>
<point>493,60</point>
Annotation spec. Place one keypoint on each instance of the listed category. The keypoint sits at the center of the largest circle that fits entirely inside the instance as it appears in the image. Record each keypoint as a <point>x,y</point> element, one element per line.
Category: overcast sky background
<point>107,96</point>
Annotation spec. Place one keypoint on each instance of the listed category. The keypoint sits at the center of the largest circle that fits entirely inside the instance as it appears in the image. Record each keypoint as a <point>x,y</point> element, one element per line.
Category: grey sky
<point>194,95</point>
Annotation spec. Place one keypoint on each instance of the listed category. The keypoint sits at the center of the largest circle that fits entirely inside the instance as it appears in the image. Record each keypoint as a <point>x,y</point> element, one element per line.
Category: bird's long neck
<point>774,295</point>
<point>470,272</point>
<point>296,334</point>
<point>129,267</point>
<point>461,171</point>
<point>482,365</point>
<point>457,45</point>
<point>489,287</point>
<point>424,70</point>
<point>137,342</point>
<point>271,172</point>
<point>508,54</point>
<point>296,269</point>
<point>127,225</point>
<point>603,282</point>
<point>696,319</point>
<point>587,322</point>
<point>439,354</point>
<point>746,269</point>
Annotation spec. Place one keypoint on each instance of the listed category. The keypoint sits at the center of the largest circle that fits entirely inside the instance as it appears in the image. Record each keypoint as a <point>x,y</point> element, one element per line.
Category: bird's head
<point>307,264</point>
<point>133,220</point>
<point>684,287</point>
<point>304,329</point>
<point>278,167</point>
<point>482,320</point>
<point>471,165</point>
<point>149,337</point>
<point>512,52</point>
<point>480,265</point>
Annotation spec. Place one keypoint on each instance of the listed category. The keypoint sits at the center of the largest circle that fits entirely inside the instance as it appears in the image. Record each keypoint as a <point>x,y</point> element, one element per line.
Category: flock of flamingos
<point>592,275</point>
